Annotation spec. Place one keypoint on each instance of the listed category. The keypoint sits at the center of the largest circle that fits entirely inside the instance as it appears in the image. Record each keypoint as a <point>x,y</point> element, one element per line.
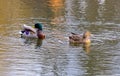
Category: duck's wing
<point>29,28</point>
<point>73,33</point>
<point>75,37</point>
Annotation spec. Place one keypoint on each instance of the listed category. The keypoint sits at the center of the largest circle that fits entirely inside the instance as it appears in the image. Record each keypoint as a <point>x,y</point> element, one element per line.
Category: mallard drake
<point>78,39</point>
<point>35,32</point>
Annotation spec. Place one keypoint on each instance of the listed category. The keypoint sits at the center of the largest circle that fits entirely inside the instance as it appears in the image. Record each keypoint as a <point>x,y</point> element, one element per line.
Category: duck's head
<point>86,37</point>
<point>87,34</point>
<point>38,26</point>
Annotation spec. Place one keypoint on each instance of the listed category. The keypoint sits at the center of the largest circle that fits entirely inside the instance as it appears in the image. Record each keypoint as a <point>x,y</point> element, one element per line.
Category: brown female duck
<point>84,39</point>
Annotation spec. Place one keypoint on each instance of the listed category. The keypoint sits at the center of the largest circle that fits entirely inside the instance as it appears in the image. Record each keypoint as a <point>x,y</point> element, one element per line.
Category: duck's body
<point>80,39</point>
<point>31,32</point>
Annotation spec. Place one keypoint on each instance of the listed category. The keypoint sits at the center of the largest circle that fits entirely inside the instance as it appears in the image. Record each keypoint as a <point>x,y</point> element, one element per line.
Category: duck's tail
<point>74,33</point>
<point>21,33</point>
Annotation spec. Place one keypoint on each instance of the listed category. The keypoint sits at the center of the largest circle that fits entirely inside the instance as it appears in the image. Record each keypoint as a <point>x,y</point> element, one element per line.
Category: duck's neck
<point>87,40</point>
<point>39,31</point>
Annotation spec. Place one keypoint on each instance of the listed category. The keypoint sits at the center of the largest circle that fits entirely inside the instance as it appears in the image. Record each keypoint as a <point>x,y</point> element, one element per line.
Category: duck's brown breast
<point>40,35</point>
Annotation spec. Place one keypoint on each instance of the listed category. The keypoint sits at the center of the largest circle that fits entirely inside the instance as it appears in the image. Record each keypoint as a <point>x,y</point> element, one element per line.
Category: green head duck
<point>38,26</point>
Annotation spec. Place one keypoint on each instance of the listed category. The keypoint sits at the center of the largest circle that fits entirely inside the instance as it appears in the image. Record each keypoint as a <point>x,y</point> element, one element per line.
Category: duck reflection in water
<point>77,40</point>
<point>31,41</point>
<point>86,47</point>
<point>39,43</point>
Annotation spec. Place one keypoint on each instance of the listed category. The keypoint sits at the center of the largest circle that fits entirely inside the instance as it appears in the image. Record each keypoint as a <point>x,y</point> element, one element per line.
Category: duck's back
<point>75,37</point>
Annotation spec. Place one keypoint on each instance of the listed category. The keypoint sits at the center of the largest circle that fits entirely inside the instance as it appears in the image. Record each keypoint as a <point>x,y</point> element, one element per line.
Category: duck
<point>36,32</point>
<point>80,39</point>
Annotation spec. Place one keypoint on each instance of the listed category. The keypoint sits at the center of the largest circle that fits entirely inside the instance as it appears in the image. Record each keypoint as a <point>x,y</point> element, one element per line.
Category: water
<point>54,56</point>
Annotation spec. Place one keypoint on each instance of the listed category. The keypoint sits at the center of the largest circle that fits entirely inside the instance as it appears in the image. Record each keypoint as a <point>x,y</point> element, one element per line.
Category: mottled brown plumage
<point>76,38</point>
